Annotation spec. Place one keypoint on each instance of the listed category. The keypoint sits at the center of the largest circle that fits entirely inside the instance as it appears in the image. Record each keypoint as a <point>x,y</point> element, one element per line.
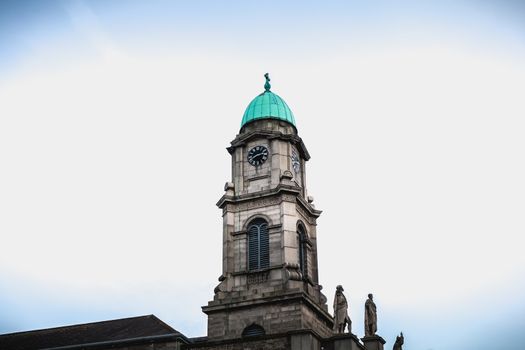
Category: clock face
<point>296,164</point>
<point>257,155</point>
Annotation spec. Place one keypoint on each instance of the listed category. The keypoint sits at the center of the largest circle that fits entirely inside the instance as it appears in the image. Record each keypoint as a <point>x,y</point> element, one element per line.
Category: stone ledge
<point>259,194</point>
<point>223,344</point>
<point>203,342</point>
<point>278,190</point>
<point>215,307</point>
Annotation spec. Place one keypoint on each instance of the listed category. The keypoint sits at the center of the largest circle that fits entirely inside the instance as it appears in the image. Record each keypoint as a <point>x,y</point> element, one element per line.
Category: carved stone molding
<point>308,207</point>
<point>271,228</point>
<point>305,215</point>
<point>257,203</point>
<point>257,277</point>
<point>293,272</point>
<point>289,197</point>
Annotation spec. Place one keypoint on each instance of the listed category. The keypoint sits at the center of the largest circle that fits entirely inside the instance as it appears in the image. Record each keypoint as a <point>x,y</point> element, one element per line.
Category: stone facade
<point>295,340</point>
<point>283,296</point>
<point>275,342</point>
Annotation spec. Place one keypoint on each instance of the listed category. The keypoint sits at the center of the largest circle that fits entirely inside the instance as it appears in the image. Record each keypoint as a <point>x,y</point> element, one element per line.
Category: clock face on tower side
<point>296,164</point>
<point>257,155</point>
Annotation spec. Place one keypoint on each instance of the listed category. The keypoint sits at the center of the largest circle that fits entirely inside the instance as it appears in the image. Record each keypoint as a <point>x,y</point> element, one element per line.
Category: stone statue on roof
<point>370,316</point>
<point>398,345</point>
<point>341,318</point>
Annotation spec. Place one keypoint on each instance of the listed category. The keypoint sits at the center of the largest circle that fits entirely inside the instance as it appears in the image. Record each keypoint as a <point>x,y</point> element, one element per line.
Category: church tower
<point>269,282</point>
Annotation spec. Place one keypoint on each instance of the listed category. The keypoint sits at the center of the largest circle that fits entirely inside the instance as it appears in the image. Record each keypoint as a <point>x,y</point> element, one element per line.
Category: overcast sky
<point>115,116</point>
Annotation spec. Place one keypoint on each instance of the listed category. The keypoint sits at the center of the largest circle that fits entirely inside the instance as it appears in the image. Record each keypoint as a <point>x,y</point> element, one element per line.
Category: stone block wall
<point>321,325</point>
<point>255,343</point>
<point>274,318</point>
<point>302,340</point>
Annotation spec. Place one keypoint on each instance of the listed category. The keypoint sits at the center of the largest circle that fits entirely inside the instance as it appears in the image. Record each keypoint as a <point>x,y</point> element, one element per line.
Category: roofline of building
<point>173,333</point>
<point>82,324</point>
<point>129,341</point>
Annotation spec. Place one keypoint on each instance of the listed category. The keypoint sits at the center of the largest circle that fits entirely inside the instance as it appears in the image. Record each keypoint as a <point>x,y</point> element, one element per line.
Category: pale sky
<point>115,116</point>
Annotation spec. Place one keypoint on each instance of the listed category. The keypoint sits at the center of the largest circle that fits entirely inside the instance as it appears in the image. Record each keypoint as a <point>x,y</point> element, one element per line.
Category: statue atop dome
<point>267,85</point>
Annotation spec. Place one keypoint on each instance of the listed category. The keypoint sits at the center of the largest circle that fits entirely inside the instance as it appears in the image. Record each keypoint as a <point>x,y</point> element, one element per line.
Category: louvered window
<point>258,245</point>
<point>303,255</point>
<point>253,331</point>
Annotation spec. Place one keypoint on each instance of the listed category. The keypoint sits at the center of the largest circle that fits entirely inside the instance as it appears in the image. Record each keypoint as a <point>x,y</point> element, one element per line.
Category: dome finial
<point>267,85</point>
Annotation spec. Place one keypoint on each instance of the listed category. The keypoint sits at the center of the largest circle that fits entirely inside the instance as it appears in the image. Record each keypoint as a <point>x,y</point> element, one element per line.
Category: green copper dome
<point>267,106</point>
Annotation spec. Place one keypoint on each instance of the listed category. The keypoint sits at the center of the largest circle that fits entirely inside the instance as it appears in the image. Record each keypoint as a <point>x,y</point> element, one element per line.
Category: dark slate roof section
<point>125,331</point>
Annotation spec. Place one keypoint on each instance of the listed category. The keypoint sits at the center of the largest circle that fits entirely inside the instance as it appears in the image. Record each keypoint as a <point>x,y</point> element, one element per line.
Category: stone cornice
<point>242,139</point>
<point>282,298</point>
<point>207,343</point>
<point>258,195</point>
<point>253,272</point>
<point>306,206</point>
<point>279,190</point>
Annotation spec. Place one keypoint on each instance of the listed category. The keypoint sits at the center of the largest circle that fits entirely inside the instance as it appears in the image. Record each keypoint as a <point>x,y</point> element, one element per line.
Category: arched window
<point>253,330</point>
<point>258,245</point>
<point>303,251</point>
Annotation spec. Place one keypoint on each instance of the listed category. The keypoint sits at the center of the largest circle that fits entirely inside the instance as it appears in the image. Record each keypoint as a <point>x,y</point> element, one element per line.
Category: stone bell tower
<point>269,282</point>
